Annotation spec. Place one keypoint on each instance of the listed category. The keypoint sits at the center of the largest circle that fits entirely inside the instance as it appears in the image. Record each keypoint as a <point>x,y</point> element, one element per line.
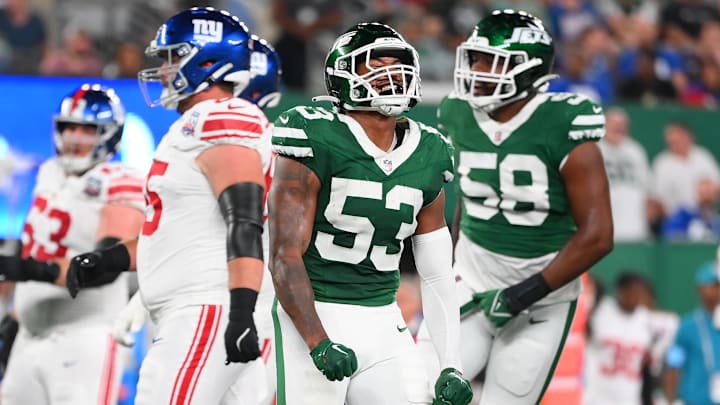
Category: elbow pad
<point>241,204</point>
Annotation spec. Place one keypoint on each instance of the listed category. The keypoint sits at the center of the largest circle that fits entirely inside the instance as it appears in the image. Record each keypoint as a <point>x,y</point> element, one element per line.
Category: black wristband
<point>242,301</point>
<point>114,259</point>
<point>106,242</point>
<point>525,293</point>
<point>34,270</point>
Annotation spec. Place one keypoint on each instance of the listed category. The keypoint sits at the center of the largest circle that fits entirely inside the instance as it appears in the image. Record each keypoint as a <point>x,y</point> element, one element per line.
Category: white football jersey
<point>628,172</point>
<point>63,222</point>
<point>181,256</point>
<point>616,352</point>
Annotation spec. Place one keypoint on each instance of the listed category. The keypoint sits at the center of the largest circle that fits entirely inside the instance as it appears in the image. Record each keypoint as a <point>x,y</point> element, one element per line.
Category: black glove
<point>94,269</point>
<point>15,268</point>
<point>241,341</point>
<point>8,331</point>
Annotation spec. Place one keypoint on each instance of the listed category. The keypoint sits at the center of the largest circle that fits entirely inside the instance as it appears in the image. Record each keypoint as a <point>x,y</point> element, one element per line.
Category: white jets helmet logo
<point>525,35</point>
<point>208,30</point>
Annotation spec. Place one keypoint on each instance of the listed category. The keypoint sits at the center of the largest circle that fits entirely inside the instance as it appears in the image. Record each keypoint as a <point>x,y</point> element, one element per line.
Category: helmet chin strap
<point>398,105</point>
<point>391,106</point>
<point>540,85</point>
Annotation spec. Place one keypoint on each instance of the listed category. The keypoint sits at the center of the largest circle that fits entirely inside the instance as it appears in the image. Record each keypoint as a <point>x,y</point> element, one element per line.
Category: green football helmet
<point>349,90</point>
<point>517,53</point>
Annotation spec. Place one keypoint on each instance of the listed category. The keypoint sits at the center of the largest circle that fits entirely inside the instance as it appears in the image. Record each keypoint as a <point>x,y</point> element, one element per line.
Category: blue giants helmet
<point>95,105</point>
<point>265,70</point>
<point>197,47</point>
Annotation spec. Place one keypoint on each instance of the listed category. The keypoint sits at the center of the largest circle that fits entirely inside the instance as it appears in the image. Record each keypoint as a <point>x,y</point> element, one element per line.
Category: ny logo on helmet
<point>208,30</point>
<point>525,35</point>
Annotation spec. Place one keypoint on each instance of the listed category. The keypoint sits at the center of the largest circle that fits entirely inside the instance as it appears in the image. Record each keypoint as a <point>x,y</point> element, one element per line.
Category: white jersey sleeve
<point>124,186</point>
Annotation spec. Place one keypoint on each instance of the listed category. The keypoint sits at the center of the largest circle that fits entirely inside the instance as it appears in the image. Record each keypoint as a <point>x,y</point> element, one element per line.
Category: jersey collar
<point>387,161</point>
<point>498,132</point>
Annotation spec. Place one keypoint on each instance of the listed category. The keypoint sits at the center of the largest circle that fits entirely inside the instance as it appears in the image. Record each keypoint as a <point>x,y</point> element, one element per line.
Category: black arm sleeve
<point>241,204</point>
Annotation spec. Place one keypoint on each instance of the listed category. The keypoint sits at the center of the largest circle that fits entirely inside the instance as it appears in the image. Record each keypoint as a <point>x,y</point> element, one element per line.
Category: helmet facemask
<point>499,85</point>
<point>169,78</point>
<point>102,144</point>
<point>388,89</point>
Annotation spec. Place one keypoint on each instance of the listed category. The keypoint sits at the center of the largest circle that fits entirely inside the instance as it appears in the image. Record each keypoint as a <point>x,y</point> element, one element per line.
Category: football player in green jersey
<point>349,186</point>
<point>533,205</point>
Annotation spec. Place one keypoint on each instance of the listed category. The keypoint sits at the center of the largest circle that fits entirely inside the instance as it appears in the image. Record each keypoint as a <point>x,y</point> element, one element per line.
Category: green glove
<point>494,304</point>
<point>334,360</point>
<point>452,389</point>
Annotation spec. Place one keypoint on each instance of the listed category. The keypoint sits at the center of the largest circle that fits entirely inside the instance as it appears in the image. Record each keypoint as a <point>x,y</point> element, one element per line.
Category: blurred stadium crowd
<point>647,51</point>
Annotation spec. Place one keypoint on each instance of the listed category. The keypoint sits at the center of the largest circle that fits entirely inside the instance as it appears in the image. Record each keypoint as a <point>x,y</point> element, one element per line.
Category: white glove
<point>129,321</point>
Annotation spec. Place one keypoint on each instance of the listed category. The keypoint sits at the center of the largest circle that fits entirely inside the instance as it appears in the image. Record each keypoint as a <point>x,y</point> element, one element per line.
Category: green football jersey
<point>368,200</point>
<point>513,197</point>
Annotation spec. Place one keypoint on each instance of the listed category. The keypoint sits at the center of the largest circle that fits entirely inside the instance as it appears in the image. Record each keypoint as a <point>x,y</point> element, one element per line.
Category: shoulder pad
<point>298,129</point>
<point>233,121</point>
<point>585,117</point>
<point>124,185</point>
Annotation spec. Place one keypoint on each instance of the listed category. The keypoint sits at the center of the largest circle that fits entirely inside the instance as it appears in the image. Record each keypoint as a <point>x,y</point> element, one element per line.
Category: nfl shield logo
<point>387,164</point>
<point>189,127</point>
<point>92,187</point>
<point>498,136</point>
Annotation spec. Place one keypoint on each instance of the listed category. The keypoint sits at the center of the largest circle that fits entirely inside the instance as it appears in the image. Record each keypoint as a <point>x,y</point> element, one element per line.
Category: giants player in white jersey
<point>64,353</point>
<point>264,91</point>
<point>203,230</point>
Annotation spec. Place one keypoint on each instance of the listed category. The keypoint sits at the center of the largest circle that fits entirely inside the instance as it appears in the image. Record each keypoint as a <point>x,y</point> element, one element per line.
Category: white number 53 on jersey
<point>362,227</point>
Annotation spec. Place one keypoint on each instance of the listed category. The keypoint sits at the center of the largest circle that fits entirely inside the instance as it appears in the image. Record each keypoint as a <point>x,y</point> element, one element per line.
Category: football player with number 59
<point>533,206</point>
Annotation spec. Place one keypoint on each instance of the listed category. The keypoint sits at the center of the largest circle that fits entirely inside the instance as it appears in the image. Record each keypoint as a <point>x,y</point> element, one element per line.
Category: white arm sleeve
<point>433,260</point>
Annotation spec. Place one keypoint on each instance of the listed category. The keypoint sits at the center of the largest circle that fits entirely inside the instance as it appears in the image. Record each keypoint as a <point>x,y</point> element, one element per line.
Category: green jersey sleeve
<point>298,133</point>
<point>584,122</point>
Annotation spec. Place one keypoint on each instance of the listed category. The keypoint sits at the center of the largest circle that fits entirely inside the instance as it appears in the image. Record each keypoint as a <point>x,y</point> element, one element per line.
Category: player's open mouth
<point>390,89</point>
<point>483,89</point>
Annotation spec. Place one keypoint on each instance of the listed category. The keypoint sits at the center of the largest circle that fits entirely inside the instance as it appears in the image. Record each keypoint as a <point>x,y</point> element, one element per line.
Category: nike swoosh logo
<point>155,340</point>
<point>336,347</point>
<point>242,336</point>
<point>401,329</point>
<point>534,321</point>
<point>597,109</point>
<point>284,120</point>
<point>67,364</point>
<point>234,107</point>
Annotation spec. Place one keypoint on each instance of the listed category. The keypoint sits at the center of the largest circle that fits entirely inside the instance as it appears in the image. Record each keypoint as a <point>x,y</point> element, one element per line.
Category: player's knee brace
<point>241,205</point>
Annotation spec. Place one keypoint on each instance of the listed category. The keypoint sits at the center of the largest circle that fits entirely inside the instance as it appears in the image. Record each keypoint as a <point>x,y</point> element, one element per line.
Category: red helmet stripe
<point>77,96</point>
